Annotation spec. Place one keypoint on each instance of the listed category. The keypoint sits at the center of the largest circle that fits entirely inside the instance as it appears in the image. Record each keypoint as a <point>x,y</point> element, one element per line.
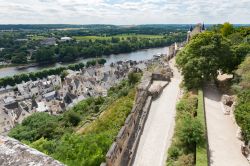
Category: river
<point>136,56</point>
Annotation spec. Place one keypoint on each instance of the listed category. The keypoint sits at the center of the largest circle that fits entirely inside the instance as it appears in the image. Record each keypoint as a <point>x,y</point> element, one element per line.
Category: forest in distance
<point>42,44</point>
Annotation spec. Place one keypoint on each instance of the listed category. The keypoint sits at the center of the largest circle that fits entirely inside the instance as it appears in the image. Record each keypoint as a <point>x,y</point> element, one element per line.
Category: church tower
<point>203,27</point>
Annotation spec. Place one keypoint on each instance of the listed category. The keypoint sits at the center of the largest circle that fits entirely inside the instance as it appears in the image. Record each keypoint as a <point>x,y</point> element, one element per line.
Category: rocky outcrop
<point>245,150</point>
<point>228,104</point>
<point>14,153</point>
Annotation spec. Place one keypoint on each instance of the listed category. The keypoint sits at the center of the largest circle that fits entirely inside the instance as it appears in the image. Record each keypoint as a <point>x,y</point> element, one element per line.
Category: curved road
<point>159,127</point>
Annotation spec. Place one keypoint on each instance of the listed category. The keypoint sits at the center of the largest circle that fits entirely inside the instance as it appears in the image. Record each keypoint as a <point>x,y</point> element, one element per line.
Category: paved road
<point>224,147</point>
<point>159,126</point>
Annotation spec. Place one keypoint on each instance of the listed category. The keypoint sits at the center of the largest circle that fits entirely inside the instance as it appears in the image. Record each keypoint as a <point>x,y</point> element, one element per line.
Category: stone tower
<point>199,28</point>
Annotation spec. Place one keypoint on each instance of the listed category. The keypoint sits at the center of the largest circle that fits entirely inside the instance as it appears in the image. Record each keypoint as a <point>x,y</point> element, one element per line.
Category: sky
<point>124,12</point>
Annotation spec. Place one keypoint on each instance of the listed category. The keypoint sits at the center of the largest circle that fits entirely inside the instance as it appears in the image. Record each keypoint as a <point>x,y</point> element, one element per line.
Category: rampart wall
<point>123,149</point>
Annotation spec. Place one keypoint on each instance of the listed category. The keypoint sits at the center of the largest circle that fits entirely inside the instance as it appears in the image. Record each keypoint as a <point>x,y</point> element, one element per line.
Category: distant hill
<point>51,26</point>
<point>95,26</point>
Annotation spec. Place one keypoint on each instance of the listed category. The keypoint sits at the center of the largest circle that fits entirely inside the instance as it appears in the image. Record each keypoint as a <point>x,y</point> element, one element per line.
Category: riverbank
<point>7,65</point>
<point>145,54</point>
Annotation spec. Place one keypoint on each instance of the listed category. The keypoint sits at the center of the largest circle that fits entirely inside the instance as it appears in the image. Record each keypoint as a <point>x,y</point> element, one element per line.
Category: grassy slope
<point>114,116</point>
<point>90,147</point>
<point>38,37</point>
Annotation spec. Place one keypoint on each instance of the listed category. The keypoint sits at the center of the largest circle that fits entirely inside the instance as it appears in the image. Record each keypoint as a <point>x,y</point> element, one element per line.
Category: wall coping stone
<point>14,153</point>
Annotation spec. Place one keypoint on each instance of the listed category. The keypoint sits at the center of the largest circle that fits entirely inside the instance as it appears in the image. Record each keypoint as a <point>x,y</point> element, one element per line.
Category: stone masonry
<point>14,153</point>
<point>123,149</point>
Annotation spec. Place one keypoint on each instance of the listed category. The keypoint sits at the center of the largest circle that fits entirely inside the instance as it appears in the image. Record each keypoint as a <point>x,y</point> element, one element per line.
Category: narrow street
<point>159,126</point>
<point>224,147</point>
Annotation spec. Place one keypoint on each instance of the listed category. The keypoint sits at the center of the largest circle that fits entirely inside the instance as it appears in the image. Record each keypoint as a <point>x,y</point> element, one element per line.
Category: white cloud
<point>124,11</point>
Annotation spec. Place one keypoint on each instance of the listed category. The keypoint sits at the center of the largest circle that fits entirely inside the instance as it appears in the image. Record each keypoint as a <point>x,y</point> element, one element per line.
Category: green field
<point>124,36</point>
<point>38,37</point>
<point>140,36</point>
<point>91,38</point>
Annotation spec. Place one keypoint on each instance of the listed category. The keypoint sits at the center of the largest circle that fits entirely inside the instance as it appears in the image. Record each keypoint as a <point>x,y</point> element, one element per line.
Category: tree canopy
<point>227,29</point>
<point>36,126</point>
<point>203,57</point>
<point>222,49</point>
<point>225,48</point>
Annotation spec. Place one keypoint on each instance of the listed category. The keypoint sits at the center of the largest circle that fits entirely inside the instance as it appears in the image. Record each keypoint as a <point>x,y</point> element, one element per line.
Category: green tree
<point>36,126</point>
<point>235,38</point>
<point>227,29</point>
<point>203,57</point>
<point>19,58</point>
<point>101,61</point>
<point>239,51</point>
<point>45,55</point>
<point>68,53</point>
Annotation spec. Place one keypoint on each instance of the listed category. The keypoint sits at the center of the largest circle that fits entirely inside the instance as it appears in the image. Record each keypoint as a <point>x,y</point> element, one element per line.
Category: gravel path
<point>224,147</point>
<point>159,127</point>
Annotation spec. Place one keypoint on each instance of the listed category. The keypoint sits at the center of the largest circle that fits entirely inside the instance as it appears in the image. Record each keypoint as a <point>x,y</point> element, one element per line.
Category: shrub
<point>242,113</point>
<point>191,131</point>
<point>72,118</point>
<point>123,92</point>
<point>36,126</point>
<point>133,78</point>
<point>187,106</point>
<point>244,72</point>
<point>188,131</point>
<point>173,152</point>
<point>44,145</point>
<point>185,160</point>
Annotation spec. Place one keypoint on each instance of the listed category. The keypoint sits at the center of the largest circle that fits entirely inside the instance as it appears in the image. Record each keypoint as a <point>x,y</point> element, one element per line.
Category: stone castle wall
<point>123,150</point>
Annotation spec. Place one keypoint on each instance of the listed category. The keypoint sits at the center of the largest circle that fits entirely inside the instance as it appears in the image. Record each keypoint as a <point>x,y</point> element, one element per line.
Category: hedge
<point>201,149</point>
